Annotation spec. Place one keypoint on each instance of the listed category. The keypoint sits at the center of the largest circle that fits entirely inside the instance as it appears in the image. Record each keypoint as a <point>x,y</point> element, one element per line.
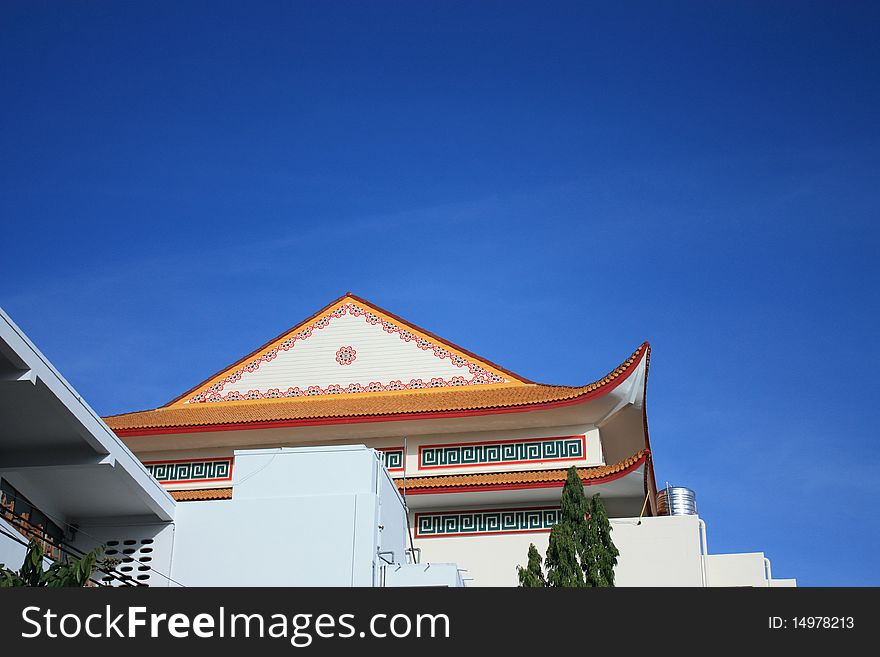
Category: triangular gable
<point>349,347</point>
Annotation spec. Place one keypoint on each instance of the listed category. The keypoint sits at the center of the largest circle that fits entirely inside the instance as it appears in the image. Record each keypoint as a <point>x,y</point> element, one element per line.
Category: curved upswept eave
<point>547,478</point>
<point>369,407</point>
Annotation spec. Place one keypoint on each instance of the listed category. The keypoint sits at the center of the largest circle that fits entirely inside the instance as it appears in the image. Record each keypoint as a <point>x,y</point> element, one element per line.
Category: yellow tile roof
<point>202,494</point>
<point>529,477</point>
<point>405,404</point>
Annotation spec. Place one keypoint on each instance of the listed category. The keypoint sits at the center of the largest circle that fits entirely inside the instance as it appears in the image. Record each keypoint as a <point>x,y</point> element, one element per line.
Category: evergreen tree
<point>601,552</point>
<point>532,576</point>
<point>569,536</point>
<point>581,552</point>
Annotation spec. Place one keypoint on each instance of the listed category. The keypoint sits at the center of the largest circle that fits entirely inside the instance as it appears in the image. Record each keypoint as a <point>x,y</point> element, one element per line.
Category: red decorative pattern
<point>478,375</point>
<point>346,355</point>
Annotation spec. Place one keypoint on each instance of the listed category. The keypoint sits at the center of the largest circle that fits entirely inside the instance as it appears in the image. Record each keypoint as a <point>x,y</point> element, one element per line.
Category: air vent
<point>141,554</point>
<point>137,555</point>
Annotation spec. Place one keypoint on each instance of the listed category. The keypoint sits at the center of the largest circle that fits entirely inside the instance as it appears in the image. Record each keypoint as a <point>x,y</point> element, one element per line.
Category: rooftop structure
<point>364,450</point>
<point>68,482</point>
<point>479,453</point>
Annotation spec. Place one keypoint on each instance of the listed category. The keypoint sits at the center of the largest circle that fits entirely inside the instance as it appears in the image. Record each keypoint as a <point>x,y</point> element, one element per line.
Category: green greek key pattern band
<point>393,457</point>
<point>497,521</point>
<point>502,452</point>
<point>179,472</point>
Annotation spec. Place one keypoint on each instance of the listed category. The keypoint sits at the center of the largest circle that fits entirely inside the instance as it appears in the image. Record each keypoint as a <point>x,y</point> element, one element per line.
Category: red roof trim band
<point>600,391</point>
<point>524,486</point>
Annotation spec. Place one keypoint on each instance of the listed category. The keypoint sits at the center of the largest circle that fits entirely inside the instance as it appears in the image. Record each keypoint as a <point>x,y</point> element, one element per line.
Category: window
<point>32,523</point>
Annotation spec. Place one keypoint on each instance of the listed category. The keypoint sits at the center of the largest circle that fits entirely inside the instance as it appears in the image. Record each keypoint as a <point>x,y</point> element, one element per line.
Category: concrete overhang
<point>58,452</point>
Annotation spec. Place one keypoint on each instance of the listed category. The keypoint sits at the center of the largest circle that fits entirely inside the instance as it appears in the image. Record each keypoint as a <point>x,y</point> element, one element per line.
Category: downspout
<point>704,551</point>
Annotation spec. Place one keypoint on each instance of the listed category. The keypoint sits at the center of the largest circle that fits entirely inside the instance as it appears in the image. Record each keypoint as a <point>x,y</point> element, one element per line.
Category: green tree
<point>74,572</point>
<point>581,552</point>
<point>568,538</point>
<point>601,554</point>
<point>532,576</point>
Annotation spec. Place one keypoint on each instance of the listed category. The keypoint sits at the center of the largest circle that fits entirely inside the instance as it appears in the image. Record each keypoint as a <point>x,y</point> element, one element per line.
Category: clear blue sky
<point>546,184</point>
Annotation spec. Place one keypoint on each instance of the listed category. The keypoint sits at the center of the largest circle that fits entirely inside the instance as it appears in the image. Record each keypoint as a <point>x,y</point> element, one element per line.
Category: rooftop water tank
<point>677,501</point>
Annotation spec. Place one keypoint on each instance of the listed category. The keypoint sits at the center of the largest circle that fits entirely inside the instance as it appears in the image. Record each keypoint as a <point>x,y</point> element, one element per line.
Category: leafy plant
<point>73,572</point>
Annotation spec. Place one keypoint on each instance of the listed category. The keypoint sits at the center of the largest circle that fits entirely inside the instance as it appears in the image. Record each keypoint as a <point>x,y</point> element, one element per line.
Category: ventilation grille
<point>135,565</point>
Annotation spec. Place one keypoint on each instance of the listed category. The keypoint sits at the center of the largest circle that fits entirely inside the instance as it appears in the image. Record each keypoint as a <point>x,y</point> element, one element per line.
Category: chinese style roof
<point>371,406</point>
<point>526,479</point>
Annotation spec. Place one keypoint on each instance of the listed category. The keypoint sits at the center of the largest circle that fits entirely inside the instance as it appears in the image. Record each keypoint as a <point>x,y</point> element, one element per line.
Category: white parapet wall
<point>747,569</point>
<point>308,516</point>
<point>298,517</point>
<point>424,574</point>
<point>661,551</point>
<point>658,551</point>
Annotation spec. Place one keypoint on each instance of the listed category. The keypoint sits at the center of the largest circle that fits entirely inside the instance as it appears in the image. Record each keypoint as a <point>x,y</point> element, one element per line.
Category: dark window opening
<point>29,521</point>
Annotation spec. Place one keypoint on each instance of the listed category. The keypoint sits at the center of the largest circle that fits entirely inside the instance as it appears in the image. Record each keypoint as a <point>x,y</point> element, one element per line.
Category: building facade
<point>479,453</point>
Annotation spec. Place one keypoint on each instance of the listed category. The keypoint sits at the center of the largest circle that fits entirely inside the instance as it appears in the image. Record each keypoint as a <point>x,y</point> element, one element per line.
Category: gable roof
<point>405,357</point>
<point>369,407</point>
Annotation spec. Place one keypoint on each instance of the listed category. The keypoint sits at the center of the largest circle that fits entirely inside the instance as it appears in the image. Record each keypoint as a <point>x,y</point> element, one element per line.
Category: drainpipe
<point>704,551</point>
<point>767,572</point>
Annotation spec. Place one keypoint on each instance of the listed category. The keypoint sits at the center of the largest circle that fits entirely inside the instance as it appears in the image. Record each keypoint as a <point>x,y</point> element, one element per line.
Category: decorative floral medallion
<point>346,355</point>
<point>472,373</point>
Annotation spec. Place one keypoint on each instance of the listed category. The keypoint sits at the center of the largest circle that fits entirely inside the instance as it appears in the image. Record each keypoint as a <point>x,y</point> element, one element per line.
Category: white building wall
<point>298,517</point>
<point>142,550</point>
<point>662,551</point>
<point>424,574</point>
<point>736,569</point>
<point>593,453</point>
<point>659,551</point>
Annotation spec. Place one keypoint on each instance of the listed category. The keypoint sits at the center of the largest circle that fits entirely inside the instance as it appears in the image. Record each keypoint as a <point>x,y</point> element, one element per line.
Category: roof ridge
<point>327,310</point>
<point>466,352</point>
<point>255,351</point>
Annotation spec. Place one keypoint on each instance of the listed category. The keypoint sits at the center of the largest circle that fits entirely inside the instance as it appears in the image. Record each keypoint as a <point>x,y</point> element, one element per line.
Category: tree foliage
<point>601,554</point>
<point>568,538</point>
<point>73,572</point>
<point>532,576</point>
<point>581,552</point>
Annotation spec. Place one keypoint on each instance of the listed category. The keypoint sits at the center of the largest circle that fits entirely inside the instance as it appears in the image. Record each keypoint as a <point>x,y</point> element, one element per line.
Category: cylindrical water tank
<point>677,501</point>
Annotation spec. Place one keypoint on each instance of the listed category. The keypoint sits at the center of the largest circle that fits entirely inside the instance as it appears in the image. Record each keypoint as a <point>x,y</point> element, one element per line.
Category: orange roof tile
<point>526,478</point>
<point>408,404</point>
<point>202,494</point>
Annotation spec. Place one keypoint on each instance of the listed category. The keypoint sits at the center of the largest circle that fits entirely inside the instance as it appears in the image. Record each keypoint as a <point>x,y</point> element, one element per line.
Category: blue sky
<point>546,184</point>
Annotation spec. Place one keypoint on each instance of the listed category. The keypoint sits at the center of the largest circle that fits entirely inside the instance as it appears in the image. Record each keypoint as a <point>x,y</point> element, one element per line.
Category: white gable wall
<point>380,357</point>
